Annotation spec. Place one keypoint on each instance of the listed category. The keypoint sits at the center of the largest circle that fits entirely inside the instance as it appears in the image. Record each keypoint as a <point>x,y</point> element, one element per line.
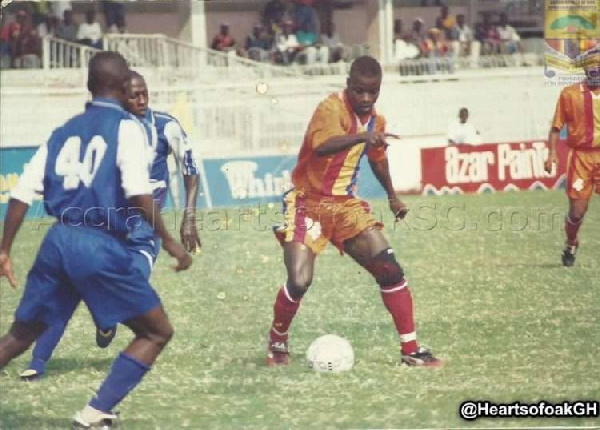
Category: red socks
<point>398,301</point>
<point>572,228</point>
<point>284,310</point>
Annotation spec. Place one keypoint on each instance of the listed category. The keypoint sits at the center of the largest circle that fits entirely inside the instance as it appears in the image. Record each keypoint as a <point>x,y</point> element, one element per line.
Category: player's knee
<point>298,285</point>
<point>385,269</point>
<point>162,337</point>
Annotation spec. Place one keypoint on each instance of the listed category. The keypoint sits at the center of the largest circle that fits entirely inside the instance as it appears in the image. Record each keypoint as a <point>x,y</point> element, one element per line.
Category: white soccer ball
<point>330,354</point>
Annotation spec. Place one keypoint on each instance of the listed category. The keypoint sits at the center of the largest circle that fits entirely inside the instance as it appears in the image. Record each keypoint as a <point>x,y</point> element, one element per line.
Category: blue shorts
<point>83,263</point>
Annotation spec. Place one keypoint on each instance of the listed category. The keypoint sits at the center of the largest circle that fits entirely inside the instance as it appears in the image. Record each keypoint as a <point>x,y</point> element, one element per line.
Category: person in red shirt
<point>223,41</point>
<point>323,207</point>
<point>578,109</point>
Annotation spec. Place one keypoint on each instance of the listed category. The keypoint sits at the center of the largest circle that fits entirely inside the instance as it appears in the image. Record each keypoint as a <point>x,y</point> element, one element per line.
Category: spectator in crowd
<point>273,15</point>
<point>461,132</point>
<point>27,46</point>
<point>287,44</point>
<point>417,35</point>
<point>67,29</point>
<point>90,32</point>
<point>331,39</point>
<point>435,47</point>
<point>114,13</point>
<point>406,49</point>
<point>305,15</point>
<point>313,51</point>
<point>46,25</point>
<point>59,8</point>
<point>223,41</point>
<point>447,21</point>
<point>398,29</point>
<point>463,35</point>
<point>259,44</point>
<point>491,38</point>
<point>10,32</point>
<point>510,41</point>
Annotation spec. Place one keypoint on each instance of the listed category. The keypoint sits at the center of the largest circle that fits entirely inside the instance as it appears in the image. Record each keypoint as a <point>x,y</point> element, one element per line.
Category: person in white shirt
<point>90,32</point>
<point>509,38</point>
<point>463,35</point>
<point>461,132</point>
<point>287,44</point>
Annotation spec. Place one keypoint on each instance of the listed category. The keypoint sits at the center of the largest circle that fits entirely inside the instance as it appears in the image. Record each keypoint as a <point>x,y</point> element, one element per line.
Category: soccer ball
<point>330,354</point>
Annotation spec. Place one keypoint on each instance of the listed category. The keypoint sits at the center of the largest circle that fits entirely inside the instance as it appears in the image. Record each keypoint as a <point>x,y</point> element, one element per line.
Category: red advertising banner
<point>490,167</point>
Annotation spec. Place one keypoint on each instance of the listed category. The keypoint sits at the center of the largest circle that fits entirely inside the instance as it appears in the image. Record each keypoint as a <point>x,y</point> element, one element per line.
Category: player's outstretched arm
<point>342,143</point>
<point>12,223</point>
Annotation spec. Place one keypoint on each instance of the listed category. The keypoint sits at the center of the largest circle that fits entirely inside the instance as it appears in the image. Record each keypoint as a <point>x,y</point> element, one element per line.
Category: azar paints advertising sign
<point>491,167</point>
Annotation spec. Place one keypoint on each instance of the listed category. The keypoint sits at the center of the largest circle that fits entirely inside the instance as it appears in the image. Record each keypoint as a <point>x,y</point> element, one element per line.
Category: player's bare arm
<point>151,214</point>
<point>552,159</point>
<point>12,223</point>
<point>381,170</point>
<point>188,231</point>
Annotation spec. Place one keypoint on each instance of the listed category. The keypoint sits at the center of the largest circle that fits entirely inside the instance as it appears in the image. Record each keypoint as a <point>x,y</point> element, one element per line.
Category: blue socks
<point>45,345</point>
<point>126,373</point>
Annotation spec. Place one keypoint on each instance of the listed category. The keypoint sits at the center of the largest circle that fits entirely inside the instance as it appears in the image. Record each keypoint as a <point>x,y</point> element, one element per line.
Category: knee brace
<point>385,269</point>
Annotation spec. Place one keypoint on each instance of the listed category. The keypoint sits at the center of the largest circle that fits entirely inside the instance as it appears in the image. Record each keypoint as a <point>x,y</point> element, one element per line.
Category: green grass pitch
<point>490,295</point>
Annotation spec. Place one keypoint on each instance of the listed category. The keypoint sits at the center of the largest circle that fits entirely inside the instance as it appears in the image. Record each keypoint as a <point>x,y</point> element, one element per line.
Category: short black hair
<point>366,66</point>
<point>463,109</point>
<point>133,74</point>
<point>107,71</point>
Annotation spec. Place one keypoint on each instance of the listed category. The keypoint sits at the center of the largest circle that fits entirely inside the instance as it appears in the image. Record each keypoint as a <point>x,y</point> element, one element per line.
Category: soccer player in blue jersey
<point>165,136</point>
<point>94,184</point>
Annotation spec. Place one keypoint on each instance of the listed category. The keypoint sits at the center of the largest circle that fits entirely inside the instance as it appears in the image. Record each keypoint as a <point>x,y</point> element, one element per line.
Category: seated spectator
<point>463,34</point>
<point>331,39</point>
<point>287,44</point>
<point>114,13</point>
<point>436,48</point>
<point>67,29</point>
<point>406,49</point>
<point>273,15</point>
<point>447,21</point>
<point>90,32</point>
<point>59,8</point>
<point>305,15</point>
<point>491,39</point>
<point>259,44</point>
<point>461,132</point>
<point>510,41</point>
<point>27,46</point>
<point>398,29</point>
<point>313,51</point>
<point>417,35</point>
<point>223,41</point>
<point>8,36</point>
<point>46,25</point>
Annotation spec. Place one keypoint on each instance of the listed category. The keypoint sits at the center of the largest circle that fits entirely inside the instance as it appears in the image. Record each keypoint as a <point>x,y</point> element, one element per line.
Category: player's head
<point>107,76</point>
<point>592,67</point>
<point>137,103</point>
<point>364,84</point>
<point>463,115</point>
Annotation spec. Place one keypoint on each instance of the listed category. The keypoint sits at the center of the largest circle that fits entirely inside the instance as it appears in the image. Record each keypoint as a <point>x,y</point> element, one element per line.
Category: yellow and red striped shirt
<point>579,108</point>
<point>335,174</point>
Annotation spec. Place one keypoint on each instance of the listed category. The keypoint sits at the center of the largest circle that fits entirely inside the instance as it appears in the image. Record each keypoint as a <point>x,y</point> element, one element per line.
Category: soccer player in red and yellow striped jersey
<point>579,109</point>
<point>322,207</point>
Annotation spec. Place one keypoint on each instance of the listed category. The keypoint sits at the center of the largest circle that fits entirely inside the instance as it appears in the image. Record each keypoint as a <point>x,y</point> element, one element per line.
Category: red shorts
<point>317,220</point>
<point>583,174</point>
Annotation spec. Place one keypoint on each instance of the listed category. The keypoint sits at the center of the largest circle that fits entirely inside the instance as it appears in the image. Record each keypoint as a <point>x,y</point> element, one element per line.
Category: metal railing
<point>62,54</point>
<point>188,60</point>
